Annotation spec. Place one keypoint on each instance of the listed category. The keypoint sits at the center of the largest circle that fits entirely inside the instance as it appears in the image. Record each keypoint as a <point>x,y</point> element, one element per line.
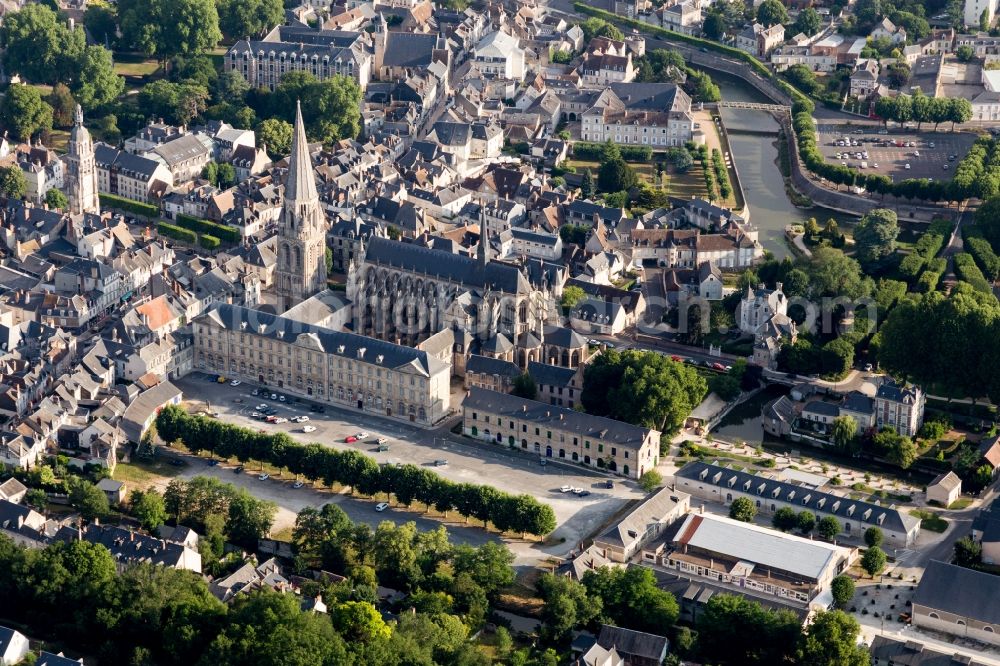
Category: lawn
<point>136,68</point>
<point>140,474</point>
<point>961,503</point>
<point>930,520</point>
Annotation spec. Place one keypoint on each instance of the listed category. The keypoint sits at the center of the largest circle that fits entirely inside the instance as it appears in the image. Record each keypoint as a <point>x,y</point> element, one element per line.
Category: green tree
<point>239,19</point>
<point>742,509</point>
<point>828,527</point>
<point>968,553</point>
<point>642,388</point>
<point>832,273</point>
<point>615,175</point>
<point>805,522</point>
<point>873,537</point>
<point>896,448</point>
<point>12,182</point>
<point>276,135</point>
<point>631,598</point>
<point>271,623</point>
<point>772,12</point>
<point>166,28</point>
<point>101,23</point>
<point>735,631</point>
<point>178,103</point>
<point>566,605</point>
<point>873,561</point>
<point>63,106</point>
<point>359,621</point>
<point>875,236</point>
<point>984,20</point>
<point>898,75</point>
<point>586,184</point>
<point>571,297</point>
<point>38,46</point>
<point>784,519</point>
<point>842,588</point>
<point>832,638</point>
<point>959,111</point>
<point>97,84</point>
<point>88,499</point>
<point>149,509</point>
<point>56,199</point>
<point>843,433</point>
<point>714,26</point>
<point>598,27</point>
<point>331,109</point>
<point>651,480</point>
<point>24,112</point>
<point>964,53</point>
<point>525,387</point>
<point>808,22</point>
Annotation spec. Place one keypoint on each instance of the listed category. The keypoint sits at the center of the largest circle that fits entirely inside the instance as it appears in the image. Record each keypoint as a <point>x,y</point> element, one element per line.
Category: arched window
<point>576,456</point>
<point>934,616</point>
<point>989,629</point>
<point>625,470</point>
<point>961,623</point>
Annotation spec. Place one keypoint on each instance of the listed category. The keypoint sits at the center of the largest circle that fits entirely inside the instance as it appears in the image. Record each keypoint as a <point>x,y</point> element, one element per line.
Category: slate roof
<point>858,402</point>
<point>631,643</point>
<point>890,390</point>
<point>232,317</point>
<point>133,165</point>
<point>408,49</point>
<point>485,365</point>
<point>649,96</point>
<point>550,375</point>
<point>894,520</point>
<point>557,418</point>
<point>300,183</point>
<point>457,268</point>
<point>49,659</point>
<point>911,653</point>
<point>978,597</point>
<point>561,336</point>
<point>452,134</point>
<point>822,408</point>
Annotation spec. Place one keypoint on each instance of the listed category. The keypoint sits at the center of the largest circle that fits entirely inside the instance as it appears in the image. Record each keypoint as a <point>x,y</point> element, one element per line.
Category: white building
<point>500,55</point>
<point>899,407</point>
<point>974,10</point>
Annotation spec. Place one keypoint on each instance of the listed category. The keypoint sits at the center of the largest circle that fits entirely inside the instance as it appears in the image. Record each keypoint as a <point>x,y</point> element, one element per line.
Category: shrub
<point>966,269</point>
<point>129,205</point>
<point>221,232</point>
<point>208,242</point>
<point>985,257</point>
<point>177,233</point>
<point>587,150</point>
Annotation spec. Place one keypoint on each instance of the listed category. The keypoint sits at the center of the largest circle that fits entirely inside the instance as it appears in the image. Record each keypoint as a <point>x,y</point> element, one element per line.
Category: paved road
<point>468,461</point>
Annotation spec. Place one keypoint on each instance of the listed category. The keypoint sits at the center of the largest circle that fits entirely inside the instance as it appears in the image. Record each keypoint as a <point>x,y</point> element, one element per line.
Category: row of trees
<point>407,483</point>
<point>812,158</point>
<point>72,593</point>
<point>920,108</point>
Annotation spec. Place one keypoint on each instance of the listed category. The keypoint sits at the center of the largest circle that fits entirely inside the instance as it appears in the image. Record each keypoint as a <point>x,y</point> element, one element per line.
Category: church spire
<point>483,253</point>
<point>300,184</point>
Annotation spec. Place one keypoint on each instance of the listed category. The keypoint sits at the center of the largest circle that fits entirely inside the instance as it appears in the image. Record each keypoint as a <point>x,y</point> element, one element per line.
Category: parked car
<point>298,484</point>
<point>301,419</point>
<point>382,448</point>
<point>212,462</point>
<point>566,489</point>
<point>907,166</point>
<point>281,398</point>
<point>274,396</point>
<point>280,419</point>
<point>350,439</point>
<point>381,506</point>
<point>361,435</point>
<point>255,392</point>
<point>945,166</point>
<point>235,382</point>
<point>719,367</point>
<point>308,428</point>
<point>609,484</point>
<point>440,463</point>
<point>676,358</point>
<point>238,470</point>
<point>868,367</point>
<point>264,476</point>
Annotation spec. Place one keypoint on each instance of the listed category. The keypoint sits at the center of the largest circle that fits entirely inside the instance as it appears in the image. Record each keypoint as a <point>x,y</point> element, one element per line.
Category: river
<point>756,158</point>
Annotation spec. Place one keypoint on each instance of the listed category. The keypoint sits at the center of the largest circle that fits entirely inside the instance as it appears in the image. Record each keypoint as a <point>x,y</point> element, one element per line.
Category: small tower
<point>81,176</point>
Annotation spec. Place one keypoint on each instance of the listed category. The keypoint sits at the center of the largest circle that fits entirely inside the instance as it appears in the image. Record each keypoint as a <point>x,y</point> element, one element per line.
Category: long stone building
<point>342,369</point>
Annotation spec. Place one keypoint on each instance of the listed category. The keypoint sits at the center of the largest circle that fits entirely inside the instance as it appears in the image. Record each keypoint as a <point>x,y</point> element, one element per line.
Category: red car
<point>719,367</point>
<point>677,358</point>
<point>350,439</point>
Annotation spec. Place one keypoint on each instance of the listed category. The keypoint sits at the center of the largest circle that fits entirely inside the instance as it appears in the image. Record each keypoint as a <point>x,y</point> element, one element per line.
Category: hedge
<point>966,269</point>
<point>983,253</point>
<point>208,242</point>
<point>409,483</point>
<point>588,150</point>
<point>721,174</point>
<point>177,233</point>
<point>932,276</point>
<point>129,205</point>
<point>925,249</point>
<point>220,231</point>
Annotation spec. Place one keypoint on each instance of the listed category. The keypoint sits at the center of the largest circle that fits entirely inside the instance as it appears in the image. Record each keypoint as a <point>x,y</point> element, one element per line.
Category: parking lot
<point>931,155</point>
<point>466,461</point>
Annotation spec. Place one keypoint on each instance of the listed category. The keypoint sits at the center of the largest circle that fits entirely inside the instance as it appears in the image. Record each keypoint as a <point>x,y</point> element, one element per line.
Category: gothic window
<point>298,257</point>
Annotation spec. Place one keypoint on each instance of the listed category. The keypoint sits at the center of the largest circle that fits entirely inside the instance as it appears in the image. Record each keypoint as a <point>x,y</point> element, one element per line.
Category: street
<point>467,462</point>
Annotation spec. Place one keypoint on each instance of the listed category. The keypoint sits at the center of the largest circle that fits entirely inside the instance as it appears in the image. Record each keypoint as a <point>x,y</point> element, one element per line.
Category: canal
<point>756,159</point>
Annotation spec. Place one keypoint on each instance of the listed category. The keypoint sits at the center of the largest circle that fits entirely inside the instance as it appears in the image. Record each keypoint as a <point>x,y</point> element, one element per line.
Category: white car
<point>907,166</point>
<point>298,484</point>
<point>361,435</point>
<point>381,441</point>
<point>261,406</point>
<point>235,382</point>
<point>566,489</point>
<point>874,165</point>
<point>264,477</point>
<point>301,419</point>
<point>381,506</point>
<point>308,428</point>
<point>281,419</point>
<point>916,153</point>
